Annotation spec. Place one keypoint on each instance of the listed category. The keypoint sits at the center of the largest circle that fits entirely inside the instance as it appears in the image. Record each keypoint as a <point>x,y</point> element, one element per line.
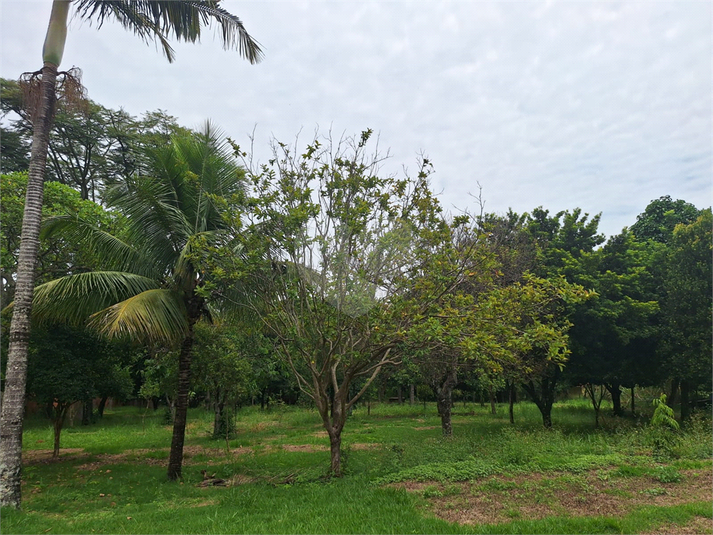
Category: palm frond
<point>73,298</point>
<point>114,253</point>
<point>182,19</point>
<point>152,316</point>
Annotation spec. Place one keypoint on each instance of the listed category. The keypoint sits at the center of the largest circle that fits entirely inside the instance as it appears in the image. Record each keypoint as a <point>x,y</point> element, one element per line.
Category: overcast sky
<point>599,105</point>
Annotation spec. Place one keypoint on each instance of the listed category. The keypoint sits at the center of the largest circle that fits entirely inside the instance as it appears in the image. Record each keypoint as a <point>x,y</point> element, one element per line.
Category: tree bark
<point>175,460</point>
<point>615,391</point>
<point>60,413</point>
<point>685,400</point>
<point>491,392</point>
<point>13,404</point>
<point>511,408</point>
<point>633,401</point>
<point>412,394</point>
<point>444,401</point>
<point>675,383</point>
<point>335,449</point>
<point>102,405</point>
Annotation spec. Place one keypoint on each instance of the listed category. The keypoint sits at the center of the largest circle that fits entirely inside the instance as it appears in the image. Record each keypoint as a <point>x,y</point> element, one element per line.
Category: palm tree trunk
<point>175,460</point>
<point>13,404</point>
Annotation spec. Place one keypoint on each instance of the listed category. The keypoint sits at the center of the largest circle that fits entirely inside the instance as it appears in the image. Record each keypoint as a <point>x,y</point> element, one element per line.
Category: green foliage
<point>663,430</point>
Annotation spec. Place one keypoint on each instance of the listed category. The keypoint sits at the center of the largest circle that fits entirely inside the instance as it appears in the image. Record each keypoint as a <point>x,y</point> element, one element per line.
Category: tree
<point>150,20</point>
<point>564,242</point>
<point>660,217</point>
<point>222,369</point>
<point>68,365</point>
<point>686,307</point>
<point>155,292</point>
<point>344,247</point>
<point>56,256</point>
<point>614,333</point>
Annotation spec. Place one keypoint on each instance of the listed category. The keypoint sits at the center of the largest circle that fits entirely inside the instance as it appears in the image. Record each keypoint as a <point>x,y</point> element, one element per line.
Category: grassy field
<point>401,475</point>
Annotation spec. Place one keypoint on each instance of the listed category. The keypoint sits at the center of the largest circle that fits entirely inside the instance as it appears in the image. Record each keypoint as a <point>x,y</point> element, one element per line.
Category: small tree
<point>68,365</point>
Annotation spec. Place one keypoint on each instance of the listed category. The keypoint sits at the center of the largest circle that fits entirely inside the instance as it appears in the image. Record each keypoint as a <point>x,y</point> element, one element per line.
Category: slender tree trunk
<point>13,404</point>
<point>412,394</point>
<point>175,460</point>
<point>633,401</point>
<point>87,411</point>
<point>491,392</point>
<point>511,408</point>
<point>675,383</point>
<point>401,395</point>
<point>102,405</point>
<point>444,401</point>
<point>685,400</point>
<point>60,413</point>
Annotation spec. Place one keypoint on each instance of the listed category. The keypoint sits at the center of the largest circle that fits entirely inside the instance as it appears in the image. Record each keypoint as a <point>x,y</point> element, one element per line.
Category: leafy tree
<point>564,242</point>
<point>686,307</point>
<point>57,256</point>
<point>68,365</point>
<point>149,20</point>
<point>345,248</point>
<point>614,333</point>
<point>660,217</point>
<point>154,288</point>
<point>222,369</point>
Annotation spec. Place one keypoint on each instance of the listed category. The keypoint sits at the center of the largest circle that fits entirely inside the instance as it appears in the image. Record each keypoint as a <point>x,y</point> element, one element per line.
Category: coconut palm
<point>149,20</point>
<point>152,286</point>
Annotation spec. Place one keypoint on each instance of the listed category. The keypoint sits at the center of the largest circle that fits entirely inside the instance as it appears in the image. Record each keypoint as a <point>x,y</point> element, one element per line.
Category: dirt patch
<point>501,499</point>
<point>365,446</point>
<point>45,456</point>
<point>426,427</point>
<point>320,434</point>
<point>697,525</point>
<point>304,447</point>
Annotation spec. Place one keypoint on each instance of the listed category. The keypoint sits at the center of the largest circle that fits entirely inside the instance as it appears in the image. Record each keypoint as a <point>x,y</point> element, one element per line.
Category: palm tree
<point>152,288</point>
<point>150,20</point>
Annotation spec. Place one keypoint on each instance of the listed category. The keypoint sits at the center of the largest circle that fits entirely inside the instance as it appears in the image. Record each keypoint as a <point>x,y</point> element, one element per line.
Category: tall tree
<point>152,285</point>
<point>686,308</point>
<point>150,20</point>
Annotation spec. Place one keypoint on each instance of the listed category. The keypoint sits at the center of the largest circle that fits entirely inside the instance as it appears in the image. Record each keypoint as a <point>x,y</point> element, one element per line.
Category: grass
<point>401,475</point>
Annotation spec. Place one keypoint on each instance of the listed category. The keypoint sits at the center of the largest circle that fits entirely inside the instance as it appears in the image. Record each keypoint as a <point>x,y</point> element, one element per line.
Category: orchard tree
<point>69,365</point>
<point>686,307</point>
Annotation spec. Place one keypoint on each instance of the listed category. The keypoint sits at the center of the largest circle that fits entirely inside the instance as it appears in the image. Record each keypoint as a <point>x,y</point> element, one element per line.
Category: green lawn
<point>401,475</point>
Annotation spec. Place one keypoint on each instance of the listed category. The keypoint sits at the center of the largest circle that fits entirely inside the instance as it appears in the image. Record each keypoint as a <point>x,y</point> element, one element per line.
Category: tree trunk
<point>491,392</point>
<point>545,399</point>
<point>87,411</point>
<point>401,395</point>
<point>675,383</point>
<point>412,394</point>
<point>511,408</point>
<point>102,405</point>
<point>633,402</point>
<point>615,391</point>
<point>685,400</point>
<point>175,460</point>
<point>60,413</point>
<point>13,405</point>
<point>335,449</point>
<point>444,410</point>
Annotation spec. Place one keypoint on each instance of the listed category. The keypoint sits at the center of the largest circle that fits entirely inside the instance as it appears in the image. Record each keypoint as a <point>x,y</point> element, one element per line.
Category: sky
<point>599,105</point>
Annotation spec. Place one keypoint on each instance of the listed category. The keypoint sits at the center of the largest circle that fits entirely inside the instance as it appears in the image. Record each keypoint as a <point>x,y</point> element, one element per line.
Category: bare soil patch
<point>304,447</point>
<point>698,525</point>
<point>426,427</point>
<point>499,499</point>
<point>45,456</point>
